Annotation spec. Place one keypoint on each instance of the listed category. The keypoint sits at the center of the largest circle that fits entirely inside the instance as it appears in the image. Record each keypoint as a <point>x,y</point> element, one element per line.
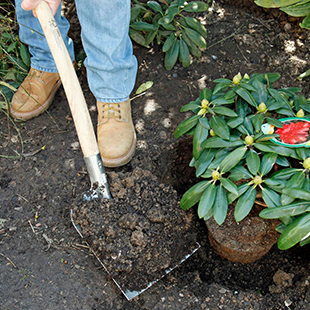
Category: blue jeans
<point>110,63</point>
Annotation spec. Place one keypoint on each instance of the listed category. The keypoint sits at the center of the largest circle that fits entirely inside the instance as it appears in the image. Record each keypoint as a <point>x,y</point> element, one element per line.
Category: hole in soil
<point>176,167</point>
<point>257,276</point>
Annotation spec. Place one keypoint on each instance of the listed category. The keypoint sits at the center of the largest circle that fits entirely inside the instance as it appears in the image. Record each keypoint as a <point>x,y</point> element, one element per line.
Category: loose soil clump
<point>141,232</point>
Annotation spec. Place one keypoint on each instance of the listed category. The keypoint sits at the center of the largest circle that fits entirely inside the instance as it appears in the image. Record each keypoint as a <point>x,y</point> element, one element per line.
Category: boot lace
<point>111,110</point>
<point>37,74</point>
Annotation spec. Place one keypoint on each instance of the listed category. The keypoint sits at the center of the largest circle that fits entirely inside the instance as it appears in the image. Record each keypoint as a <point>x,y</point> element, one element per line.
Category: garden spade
<point>87,139</point>
<point>77,103</point>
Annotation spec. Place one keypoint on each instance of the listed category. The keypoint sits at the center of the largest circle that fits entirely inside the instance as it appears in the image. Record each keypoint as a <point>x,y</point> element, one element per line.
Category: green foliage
<point>14,59</point>
<point>236,159</point>
<point>167,22</point>
<point>298,8</point>
<point>296,213</point>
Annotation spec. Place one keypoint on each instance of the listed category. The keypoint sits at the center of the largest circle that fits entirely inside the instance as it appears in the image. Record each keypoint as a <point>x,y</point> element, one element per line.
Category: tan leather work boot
<point>35,94</point>
<point>115,133</point>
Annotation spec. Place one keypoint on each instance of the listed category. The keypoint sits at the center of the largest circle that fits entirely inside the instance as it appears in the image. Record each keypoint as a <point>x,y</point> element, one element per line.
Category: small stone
<point>167,122</point>
<point>287,27</point>
<point>14,139</point>
<point>2,221</point>
<point>75,145</point>
<point>163,135</point>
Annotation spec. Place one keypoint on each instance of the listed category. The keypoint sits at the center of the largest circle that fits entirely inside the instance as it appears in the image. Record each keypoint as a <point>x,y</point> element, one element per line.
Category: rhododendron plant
<point>251,140</point>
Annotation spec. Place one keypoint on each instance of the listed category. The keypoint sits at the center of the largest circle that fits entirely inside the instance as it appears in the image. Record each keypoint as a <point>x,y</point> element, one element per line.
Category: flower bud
<point>202,111</point>
<point>300,113</point>
<point>204,103</point>
<point>306,163</point>
<point>246,77</point>
<point>249,140</point>
<point>258,180</point>
<point>147,14</point>
<point>237,78</point>
<point>215,175</point>
<point>212,133</point>
<point>262,108</point>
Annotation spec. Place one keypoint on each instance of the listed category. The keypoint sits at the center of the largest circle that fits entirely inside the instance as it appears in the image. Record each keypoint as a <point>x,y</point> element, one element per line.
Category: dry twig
<point>48,240</point>
<point>260,20</point>
<point>242,54</point>
<point>32,228</point>
<point>9,260</point>
<point>226,38</point>
<point>261,203</point>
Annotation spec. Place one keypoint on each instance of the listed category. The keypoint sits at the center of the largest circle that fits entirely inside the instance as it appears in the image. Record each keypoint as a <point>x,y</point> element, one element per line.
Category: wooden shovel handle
<point>73,90</point>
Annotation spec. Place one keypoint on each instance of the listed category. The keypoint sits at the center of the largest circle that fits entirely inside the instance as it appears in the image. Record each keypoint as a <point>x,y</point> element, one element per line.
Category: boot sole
<point>25,116</point>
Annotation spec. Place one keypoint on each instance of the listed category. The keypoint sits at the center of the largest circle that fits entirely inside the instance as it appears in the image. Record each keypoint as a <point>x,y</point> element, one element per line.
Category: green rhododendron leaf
<point>253,162</point>
<point>186,125</point>
<point>207,200</point>
<point>295,232</point>
<point>193,195</point>
<point>220,205</point>
<point>244,204</point>
<point>281,211</point>
<point>232,159</point>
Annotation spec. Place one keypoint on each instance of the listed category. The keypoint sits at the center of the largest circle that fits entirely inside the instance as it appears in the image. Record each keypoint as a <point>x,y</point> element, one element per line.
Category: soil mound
<point>141,232</point>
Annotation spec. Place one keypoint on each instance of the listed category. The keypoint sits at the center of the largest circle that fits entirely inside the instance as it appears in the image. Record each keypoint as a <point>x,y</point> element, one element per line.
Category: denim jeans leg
<point>31,33</point>
<point>110,63</point>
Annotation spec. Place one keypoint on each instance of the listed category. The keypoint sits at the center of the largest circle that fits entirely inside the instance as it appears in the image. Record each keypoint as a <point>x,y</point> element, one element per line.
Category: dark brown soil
<point>44,264</point>
<point>140,234</point>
